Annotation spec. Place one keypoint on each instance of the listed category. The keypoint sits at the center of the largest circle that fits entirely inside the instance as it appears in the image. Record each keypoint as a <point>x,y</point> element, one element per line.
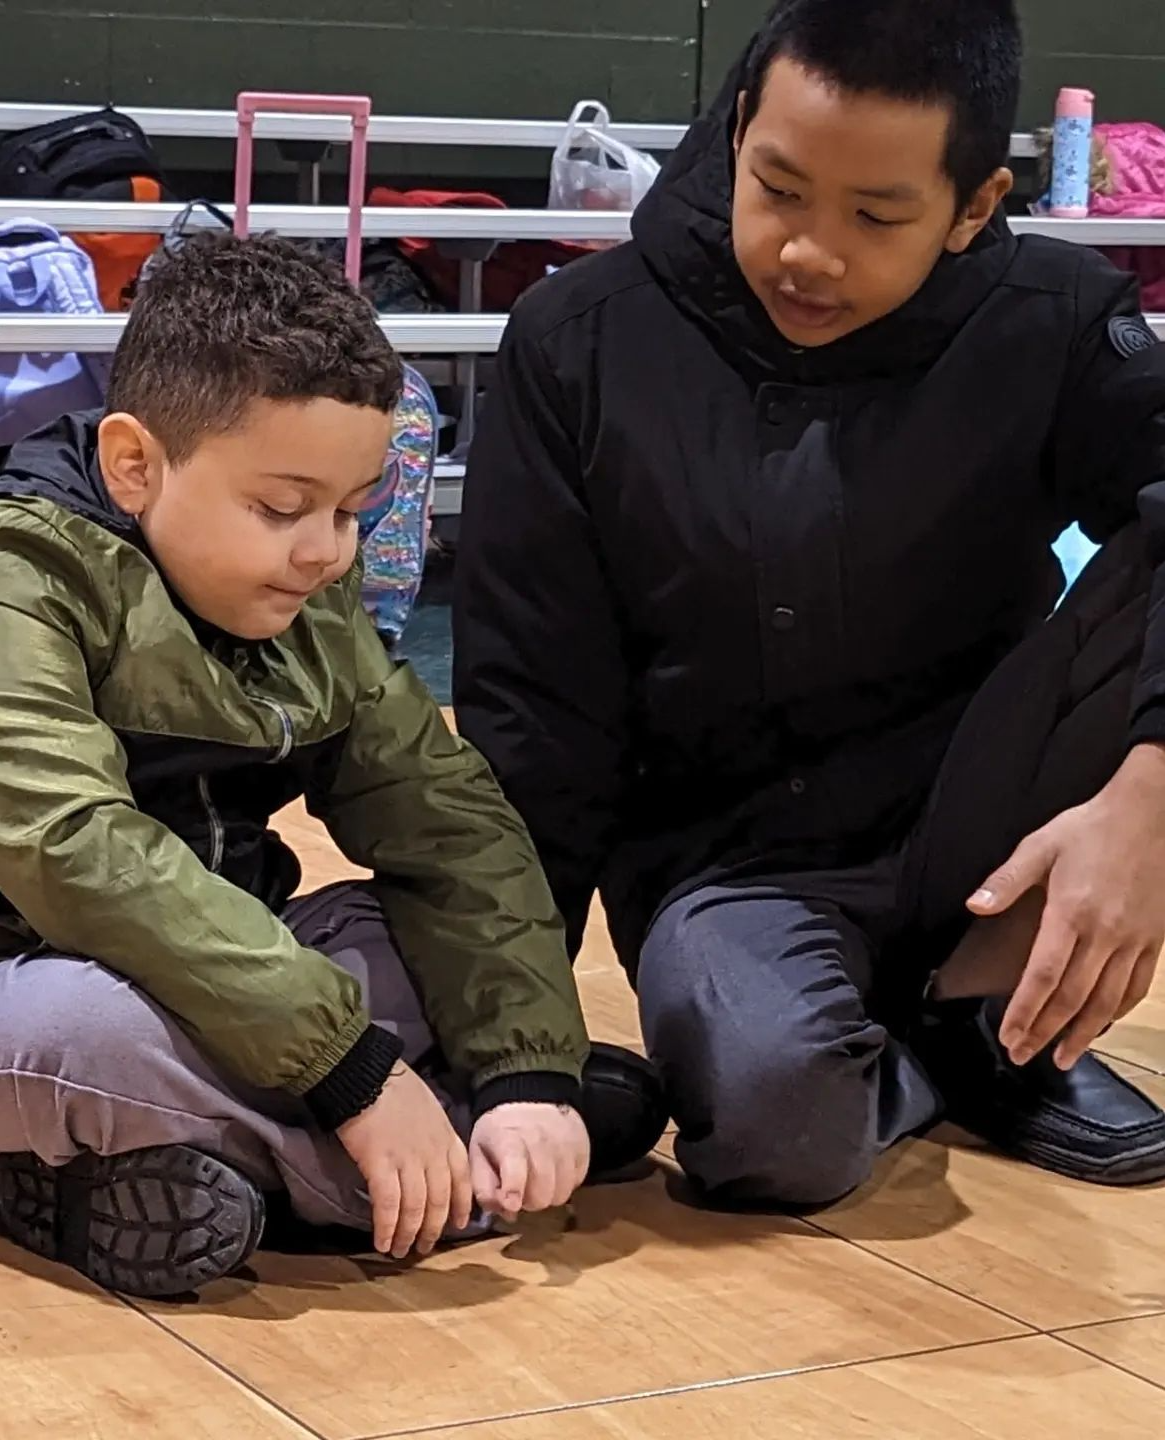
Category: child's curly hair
<point>220,322</point>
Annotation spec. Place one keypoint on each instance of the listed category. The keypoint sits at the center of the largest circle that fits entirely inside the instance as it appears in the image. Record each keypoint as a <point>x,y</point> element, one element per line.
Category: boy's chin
<point>255,625</point>
<point>269,628</point>
<point>808,338</point>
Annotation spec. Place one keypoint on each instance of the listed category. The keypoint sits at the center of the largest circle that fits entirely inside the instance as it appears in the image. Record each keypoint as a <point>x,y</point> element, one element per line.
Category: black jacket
<point>721,602</point>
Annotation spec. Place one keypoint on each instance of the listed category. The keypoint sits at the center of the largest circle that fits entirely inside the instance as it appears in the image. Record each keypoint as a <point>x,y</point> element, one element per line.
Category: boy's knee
<point>773,1085</point>
<point>790,1124</point>
<point>69,1017</point>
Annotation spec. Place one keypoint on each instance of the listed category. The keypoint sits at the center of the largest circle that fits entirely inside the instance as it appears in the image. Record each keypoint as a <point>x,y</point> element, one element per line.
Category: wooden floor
<point>957,1298</point>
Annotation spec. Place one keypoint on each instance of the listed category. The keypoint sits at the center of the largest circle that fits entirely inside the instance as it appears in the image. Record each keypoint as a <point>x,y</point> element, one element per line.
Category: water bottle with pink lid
<point>1072,154</point>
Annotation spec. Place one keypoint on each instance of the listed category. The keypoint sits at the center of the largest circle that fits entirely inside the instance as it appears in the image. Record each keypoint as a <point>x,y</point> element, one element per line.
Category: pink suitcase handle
<point>357,107</point>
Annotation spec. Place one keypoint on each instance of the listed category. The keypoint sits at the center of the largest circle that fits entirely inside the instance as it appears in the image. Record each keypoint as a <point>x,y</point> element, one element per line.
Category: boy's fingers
<point>1044,973</point>
<point>1098,1011</point>
<point>567,1177</point>
<point>483,1177</point>
<point>1072,994</point>
<point>1140,983</point>
<point>1027,868</point>
<point>461,1200</point>
<point>413,1199</point>
<point>439,1195</point>
<point>542,1178</point>
<point>384,1193</point>
<point>513,1173</point>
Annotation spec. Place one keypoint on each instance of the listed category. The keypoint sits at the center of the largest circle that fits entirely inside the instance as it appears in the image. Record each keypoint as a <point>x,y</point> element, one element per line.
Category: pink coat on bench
<point>1137,153</point>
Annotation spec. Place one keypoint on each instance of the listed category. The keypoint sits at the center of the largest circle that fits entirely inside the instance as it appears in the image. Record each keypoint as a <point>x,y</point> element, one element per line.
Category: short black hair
<point>218,322</point>
<point>967,53</point>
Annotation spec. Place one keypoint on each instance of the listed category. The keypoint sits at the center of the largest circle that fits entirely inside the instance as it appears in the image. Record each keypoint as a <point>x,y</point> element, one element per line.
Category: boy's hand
<point>528,1157</point>
<point>413,1163</point>
<point>1102,867</point>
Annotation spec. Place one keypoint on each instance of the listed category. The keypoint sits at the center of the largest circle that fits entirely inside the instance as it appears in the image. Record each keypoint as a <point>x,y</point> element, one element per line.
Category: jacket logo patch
<point>1130,335</point>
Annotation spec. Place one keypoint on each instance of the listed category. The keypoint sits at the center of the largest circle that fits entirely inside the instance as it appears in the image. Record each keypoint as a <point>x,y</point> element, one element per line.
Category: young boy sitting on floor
<point>184,653</point>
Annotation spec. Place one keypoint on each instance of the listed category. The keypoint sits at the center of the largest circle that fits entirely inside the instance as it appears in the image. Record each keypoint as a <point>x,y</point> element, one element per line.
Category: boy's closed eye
<point>287,511</point>
<point>868,217</point>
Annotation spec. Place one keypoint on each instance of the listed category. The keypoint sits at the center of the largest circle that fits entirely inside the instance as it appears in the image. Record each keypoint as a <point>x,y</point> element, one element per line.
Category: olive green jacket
<point>142,756</point>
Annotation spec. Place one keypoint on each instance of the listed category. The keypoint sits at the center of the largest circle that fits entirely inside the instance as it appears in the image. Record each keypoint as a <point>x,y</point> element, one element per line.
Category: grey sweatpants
<point>89,1062</point>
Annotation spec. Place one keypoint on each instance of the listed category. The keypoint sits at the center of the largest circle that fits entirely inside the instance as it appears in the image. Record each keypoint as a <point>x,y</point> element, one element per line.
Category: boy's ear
<point>738,138</point>
<point>131,462</point>
<point>984,203</point>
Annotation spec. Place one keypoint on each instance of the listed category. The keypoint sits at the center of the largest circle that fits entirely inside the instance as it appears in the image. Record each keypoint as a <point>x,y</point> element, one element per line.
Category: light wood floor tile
<point>1049,1251</point>
<point>597,952</point>
<point>322,863</point>
<point>609,1007</point>
<point>1033,1389</point>
<point>93,1369</point>
<point>1136,1345</point>
<point>30,1283</point>
<point>635,1293</point>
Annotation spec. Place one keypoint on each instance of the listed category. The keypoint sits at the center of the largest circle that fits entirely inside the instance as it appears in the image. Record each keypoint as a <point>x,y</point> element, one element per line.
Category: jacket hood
<point>59,463</point>
<point>683,229</point>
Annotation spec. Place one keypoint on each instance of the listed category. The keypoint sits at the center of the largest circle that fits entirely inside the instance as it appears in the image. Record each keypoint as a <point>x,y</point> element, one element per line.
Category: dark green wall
<point>474,57</point>
<point>1116,47</point>
<point>649,59</point>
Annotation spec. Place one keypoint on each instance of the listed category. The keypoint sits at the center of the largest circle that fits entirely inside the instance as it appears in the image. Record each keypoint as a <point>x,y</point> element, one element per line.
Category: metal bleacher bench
<point>464,336</point>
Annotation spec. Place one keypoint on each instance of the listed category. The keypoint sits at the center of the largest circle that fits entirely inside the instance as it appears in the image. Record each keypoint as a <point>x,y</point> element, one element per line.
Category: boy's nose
<point>803,255</point>
<point>319,550</point>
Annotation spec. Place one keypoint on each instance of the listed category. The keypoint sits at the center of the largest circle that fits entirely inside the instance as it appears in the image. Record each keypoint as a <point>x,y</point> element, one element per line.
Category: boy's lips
<point>292,594</point>
<point>812,311</point>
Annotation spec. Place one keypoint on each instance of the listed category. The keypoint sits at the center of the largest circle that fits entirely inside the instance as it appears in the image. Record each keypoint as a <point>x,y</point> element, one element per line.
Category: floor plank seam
<point>1132,1064</point>
<point>1061,1330</point>
<point>1027,1325</point>
<point>733,1382</point>
<point>215,1364</point>
<point>1062,1338</point>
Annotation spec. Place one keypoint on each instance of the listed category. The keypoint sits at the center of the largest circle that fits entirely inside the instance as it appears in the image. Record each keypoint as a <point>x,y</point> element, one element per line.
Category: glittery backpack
<point>394,525</point>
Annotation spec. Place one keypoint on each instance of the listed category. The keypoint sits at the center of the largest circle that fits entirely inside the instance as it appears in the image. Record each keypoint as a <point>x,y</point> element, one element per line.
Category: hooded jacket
<point>721,601</point>
<point>142,755</point>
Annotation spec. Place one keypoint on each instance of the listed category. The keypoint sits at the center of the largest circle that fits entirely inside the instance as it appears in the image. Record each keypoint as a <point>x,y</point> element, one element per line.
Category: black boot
<point>153,1223</point>
<point>1089,1123</point>
<point>623,1107</point>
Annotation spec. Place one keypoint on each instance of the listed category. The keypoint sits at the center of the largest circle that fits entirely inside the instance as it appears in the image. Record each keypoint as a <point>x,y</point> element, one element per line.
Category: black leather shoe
<point>155,1223</point>
<point>623,1107</point>
<point>1089,1124</point>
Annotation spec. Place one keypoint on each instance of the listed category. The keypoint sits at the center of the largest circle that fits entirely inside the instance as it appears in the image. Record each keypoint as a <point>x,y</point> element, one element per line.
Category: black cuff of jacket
<point>534,1087</point>
<point>356,1082</point>
<point>1149,726</point>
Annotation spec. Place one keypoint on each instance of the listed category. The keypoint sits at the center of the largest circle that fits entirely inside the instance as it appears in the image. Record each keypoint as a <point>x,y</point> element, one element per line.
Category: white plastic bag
<point>594,171</point>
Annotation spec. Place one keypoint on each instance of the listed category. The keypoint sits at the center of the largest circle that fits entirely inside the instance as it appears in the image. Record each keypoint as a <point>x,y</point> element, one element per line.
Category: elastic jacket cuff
<point>356,1082</point>
<point>532,1087</point>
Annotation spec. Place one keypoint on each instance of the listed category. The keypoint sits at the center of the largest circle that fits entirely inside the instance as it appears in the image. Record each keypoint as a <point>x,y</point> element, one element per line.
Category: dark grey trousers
<point>756,998</point>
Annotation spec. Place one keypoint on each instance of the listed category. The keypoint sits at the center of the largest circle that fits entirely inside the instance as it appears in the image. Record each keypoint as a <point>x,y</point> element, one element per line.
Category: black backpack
<point>92,157</point>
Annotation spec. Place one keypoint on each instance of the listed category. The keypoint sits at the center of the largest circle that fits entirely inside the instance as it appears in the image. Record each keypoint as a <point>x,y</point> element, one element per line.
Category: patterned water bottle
<point>1072,155</point>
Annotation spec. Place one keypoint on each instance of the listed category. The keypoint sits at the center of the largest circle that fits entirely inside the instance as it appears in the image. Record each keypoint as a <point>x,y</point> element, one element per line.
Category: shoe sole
<point>150,1223</point>
<point>1134,1165</point>
<point>1132,1168</point>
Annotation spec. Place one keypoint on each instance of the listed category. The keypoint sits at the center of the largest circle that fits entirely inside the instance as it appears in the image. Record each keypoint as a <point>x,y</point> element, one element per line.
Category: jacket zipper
<point>214,819</point>
<point>285,721</point>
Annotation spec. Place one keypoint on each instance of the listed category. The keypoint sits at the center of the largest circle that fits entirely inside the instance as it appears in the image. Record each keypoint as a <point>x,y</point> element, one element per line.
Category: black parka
<point>721,600</point>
